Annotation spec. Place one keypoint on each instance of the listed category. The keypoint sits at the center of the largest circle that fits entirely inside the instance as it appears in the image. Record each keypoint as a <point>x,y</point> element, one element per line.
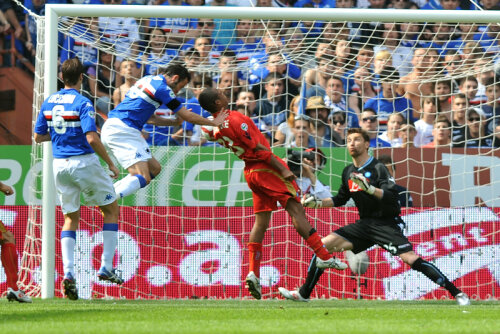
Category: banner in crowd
<point>212,176</point>
<point>178,252</point>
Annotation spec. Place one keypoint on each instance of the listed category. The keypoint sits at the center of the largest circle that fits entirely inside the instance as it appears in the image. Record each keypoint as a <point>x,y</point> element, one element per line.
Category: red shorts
<point>269,187</point>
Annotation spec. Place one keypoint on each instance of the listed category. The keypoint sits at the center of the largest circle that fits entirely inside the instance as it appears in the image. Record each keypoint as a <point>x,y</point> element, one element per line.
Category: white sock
<point>109,236</point>
<point>129,185</point>
<point>68,243</point>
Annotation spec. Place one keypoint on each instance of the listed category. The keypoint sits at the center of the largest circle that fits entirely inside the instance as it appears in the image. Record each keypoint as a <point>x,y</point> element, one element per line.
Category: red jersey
<point>240,134</point>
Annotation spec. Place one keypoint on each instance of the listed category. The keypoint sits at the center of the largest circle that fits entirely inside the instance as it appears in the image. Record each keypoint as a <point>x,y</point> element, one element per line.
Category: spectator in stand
<point>338,125</point>
<point>443,39</point>
<point>316,3</point>
<point>209,56</point>
<point>391,135</point>
<point>247,43</point>
<point>272,107</point>
<point>369,123</point>
<point>227,63</point>
<point>191,59</point>
<point>38,8</point>
<point>101,83</point>
<point>204,28</point>
<point>301,133</point>
<point>484,71</point>
<point>318,113</point>
<point>86,31</point>
<point>404,196</point>
<point>284,133</point>
<point>120,32</point>
<point>407,134</point>
<point>278,63</point>
<point>443,4</point>
<point>229,85</point>
<point>157,54</point>
<point>382,60</point>
<point>441,133</point>
<point>489,39</point>
<point>400,55</point>
<point>476,134</point>
<point>388,100</point>
<point>468,86</point>
<point>453,64</point>
<point>335,100</point>
<point>459,106</point>
<point>369,30</point>
<point>246,99</point>
<point>471,51</point>
<point>362,90</point>
<point>416,84</point>
<point>410,32</point>
<point>198,82</point>
<point>224,29</point>
<point>466,33</point>
<point>177,30</point>
<point>424,125</point>
<point>492,106</point>
<point>130,72</point>
<point>316,78</point>
<point>321,49</point>
<point>442,91</point>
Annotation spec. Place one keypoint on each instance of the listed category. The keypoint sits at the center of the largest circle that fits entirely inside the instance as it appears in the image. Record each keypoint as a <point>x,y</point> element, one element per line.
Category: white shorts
<point>82,174</point>
<point>126,143</point>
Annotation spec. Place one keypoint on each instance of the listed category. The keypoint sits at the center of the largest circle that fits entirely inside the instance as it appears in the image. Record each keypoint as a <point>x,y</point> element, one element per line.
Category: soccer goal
<point>185,235</point>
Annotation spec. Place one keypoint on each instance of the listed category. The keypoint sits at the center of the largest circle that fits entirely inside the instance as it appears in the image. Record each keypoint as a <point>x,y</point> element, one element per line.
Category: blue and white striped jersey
<point>143,99</point>
<point>67,116</point>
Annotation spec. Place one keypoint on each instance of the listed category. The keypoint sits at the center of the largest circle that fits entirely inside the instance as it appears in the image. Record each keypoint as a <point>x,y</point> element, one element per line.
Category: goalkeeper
<point>270,180</point>
<point>368,182</point>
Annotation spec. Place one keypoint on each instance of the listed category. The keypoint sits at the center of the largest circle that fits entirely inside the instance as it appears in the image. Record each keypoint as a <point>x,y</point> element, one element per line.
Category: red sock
<point>9,261</point>
<point>255,250</point>
<point>314,241</point>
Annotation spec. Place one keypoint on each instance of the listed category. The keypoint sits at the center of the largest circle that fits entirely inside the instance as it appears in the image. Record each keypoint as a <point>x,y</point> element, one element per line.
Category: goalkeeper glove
<point>311,201</point>
<point>363,183</point>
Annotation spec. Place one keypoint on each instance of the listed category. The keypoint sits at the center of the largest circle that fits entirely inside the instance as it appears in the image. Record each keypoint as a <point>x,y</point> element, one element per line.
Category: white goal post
<point>53,13</point>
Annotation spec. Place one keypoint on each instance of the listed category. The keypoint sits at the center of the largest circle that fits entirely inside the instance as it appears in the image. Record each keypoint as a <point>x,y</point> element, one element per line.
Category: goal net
<point>304,76</point>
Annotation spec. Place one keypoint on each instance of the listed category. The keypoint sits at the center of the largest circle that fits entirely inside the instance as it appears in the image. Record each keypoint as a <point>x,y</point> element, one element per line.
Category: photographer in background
<point>304,164</point>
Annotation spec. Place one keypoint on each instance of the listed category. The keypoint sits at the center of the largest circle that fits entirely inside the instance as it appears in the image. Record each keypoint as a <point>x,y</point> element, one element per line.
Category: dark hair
<point>386,160</point>
<point>71,70</point>
<point>203,78</point>
<point>443,119</point>
<point>176,69</point>
<point>362,132</point>
<point>389,73</point>
<point>207,99</point>
<point>273,76</point>
<point>228,53</point>
<point>469,78</point>
<point>491,82</point>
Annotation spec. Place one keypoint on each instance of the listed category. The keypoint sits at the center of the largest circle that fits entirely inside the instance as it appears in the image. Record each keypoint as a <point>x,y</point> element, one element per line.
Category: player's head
<point>177,76</point>
<point>213,100</point>
<point>72,70</point>
<point>358,142</point>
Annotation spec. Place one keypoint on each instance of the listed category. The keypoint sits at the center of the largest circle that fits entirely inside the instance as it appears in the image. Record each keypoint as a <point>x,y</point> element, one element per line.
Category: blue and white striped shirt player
<point>68,116</point>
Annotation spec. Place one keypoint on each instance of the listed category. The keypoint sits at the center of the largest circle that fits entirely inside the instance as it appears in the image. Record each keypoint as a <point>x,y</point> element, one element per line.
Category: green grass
<point>247,316</point>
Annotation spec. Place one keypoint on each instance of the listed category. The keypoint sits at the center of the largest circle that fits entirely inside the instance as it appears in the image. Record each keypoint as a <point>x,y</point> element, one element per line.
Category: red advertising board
<point>190,252</point>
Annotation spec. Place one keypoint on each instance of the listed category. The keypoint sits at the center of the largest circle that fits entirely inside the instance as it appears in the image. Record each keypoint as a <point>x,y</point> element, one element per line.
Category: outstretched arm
<point>41,138</point>
<point>191,117</point>
<point>163,121</point>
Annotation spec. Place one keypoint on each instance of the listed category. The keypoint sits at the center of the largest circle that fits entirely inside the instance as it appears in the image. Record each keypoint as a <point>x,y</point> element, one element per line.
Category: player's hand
<point>362,182</point>
<point>114,172</point>
<point>288,175</point>
<point>7,190</point>
<point>311,201</point>
<point>221,117</point>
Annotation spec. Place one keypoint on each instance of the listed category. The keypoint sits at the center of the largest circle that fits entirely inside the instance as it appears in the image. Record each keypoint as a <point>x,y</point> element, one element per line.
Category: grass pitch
<point>247,316</point>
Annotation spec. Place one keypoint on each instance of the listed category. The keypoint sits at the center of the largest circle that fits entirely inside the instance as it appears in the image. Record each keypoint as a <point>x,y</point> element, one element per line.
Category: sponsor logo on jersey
<point>353,186</point>
<point>244,126</point>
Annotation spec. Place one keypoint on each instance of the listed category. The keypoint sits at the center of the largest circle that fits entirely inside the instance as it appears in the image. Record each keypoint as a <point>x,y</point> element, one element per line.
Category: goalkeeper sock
<point>255,252</point>
<point>9,261</point>
<point>109,236</point>
<point>435,275</point>
<point>313,275</point>
<point>314,241</point>
<point>129,185</point>
<point>68,242</point>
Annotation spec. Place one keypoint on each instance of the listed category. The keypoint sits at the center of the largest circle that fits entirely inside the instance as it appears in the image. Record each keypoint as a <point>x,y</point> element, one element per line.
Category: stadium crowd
<point>408,85</point>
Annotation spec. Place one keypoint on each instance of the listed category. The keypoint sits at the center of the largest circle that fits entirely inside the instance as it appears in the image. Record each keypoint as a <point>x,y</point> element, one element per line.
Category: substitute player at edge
<point>368,182</point>
<point>270,180</point>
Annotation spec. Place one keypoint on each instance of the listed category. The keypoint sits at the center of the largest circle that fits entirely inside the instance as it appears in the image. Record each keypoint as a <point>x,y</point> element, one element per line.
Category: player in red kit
<point>270,180</point>
<point>9,257</point>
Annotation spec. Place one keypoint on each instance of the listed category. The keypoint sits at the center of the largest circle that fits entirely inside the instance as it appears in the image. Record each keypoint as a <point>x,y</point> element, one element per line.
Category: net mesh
<point>185,234</point>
